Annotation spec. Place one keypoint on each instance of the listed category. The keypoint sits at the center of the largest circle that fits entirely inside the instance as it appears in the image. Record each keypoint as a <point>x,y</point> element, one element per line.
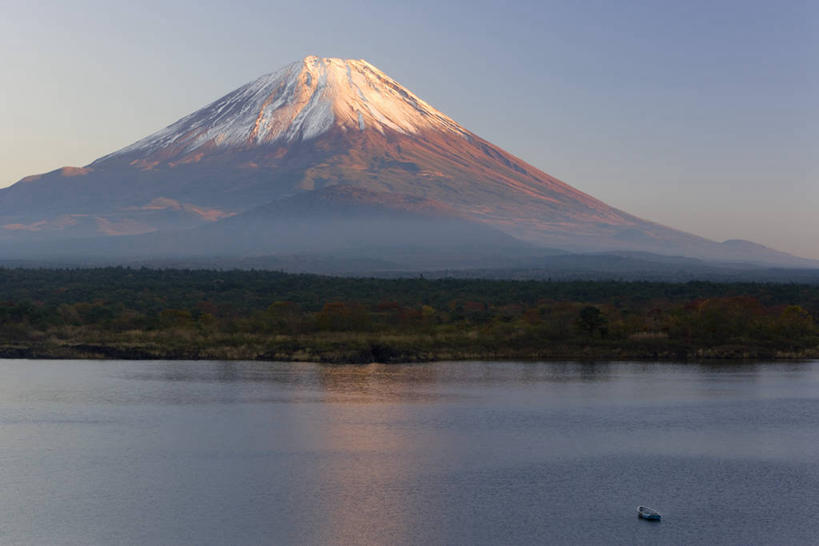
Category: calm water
<point>447,453</point>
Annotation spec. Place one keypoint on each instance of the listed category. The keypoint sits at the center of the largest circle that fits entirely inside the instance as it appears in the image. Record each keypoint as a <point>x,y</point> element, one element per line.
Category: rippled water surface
<point>444,453</point>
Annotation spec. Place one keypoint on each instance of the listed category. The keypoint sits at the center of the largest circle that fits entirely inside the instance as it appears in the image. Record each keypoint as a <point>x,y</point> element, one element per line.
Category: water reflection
<point>371,460</point>
<point>369,378</point>
<point>376,380</point>
<point>450,452</point>
<point>371,383</point>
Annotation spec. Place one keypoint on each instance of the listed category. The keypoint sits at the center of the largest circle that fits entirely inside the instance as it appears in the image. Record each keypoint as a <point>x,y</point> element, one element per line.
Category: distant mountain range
<point>328,157</point>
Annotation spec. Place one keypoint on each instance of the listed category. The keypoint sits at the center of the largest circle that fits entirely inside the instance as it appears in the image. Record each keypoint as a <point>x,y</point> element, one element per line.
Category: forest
<point>263,315</point>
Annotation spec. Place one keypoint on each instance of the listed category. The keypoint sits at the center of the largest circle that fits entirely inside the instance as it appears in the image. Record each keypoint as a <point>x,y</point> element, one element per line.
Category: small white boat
<point>648,513</point>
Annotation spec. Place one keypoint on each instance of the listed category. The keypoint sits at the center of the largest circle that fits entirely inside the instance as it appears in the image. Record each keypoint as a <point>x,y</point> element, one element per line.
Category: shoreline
<point>88,351</point>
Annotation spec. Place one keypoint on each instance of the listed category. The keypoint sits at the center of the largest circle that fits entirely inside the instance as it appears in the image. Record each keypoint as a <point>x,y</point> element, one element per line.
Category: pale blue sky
<point>702,115</point>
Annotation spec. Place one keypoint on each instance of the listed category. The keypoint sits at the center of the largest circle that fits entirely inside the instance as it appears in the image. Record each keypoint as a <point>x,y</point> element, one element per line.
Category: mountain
<point>326,154</point>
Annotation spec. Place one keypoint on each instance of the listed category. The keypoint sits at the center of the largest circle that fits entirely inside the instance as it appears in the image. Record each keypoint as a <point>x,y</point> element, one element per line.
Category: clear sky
<point>702,115</point>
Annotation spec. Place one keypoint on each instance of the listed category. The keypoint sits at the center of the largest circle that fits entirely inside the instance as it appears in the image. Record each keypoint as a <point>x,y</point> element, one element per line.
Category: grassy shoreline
<point>359,353</point>
<point>262,315</point>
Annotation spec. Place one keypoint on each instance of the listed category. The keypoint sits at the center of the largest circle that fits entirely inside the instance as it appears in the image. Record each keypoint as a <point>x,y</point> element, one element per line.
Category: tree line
<point>150,313</point>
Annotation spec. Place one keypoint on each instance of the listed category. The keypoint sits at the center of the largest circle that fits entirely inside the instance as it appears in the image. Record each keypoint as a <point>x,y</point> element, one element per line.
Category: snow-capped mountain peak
<point>343,143</point>
<point>299,102</point>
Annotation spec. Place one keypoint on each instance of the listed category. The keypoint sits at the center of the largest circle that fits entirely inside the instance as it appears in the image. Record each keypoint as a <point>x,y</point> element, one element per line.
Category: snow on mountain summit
<point>299,102</point>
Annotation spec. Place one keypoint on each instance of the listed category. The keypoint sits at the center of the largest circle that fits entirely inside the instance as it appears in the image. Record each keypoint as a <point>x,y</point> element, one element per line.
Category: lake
<point>112,452</point>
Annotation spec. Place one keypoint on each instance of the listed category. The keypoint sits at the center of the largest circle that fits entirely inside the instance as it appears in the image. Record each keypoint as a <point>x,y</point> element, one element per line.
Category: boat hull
<point>648,514</point>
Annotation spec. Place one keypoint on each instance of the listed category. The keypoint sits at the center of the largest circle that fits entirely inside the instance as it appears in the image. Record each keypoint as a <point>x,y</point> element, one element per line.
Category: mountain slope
<point>316,124</point>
